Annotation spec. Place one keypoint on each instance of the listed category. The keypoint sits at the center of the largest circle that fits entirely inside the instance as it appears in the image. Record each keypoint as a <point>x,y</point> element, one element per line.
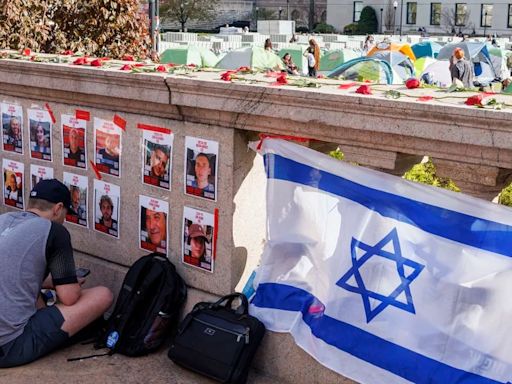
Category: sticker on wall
<point>77,186</point>
<point>198,230</point>
<point>40,133</point>
<point>12,128</point>
<point>74,141</point>
<point>153,224</point>
<point>107,200</point>
<point>13,172</point>
<point>107,147</point>
<point>157,157</point>
<point>38,173</point>
<point>201,167</point>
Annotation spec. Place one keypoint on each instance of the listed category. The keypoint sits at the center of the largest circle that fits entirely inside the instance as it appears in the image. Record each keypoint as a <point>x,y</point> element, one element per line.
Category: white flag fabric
<point>381,279</point>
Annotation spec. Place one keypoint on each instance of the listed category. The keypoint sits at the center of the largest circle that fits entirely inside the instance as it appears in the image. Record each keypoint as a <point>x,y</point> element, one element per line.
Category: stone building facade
<point>231,11</point>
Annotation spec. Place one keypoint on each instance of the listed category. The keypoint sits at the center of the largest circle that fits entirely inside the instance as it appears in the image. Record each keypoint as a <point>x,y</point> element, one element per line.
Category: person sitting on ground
<point>461,69</point>
<point>37,253</point>
<point>294,38</point>
<point>268,45</point>
<point>290,66</point>
<point>313,55</point>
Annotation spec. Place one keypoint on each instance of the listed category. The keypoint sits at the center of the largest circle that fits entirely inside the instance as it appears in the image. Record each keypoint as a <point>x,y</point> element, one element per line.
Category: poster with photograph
<point>38,173</point>
<point>12,127</point>
<point>74,141</point>
<point>201,167</point>
<point>157,158</point>
<point>107,200</point>
<point>77,186</point>
<point>107,147</point>
<point>153,224</point>
<point>13,172</point>
<point>40,129</point>
<point>198,239</point>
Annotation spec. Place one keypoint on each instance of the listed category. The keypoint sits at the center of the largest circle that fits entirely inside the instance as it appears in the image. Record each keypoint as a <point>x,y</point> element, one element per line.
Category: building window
<point>411,13</point>
<point>358,7</point>
<point>509,16</point>
<point>486,15</point>
<point>461,10</point>
<point>435,13</point>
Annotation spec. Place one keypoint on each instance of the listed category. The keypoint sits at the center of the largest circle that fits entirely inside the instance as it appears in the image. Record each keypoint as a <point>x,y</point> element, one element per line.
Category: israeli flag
<point>381,279</point>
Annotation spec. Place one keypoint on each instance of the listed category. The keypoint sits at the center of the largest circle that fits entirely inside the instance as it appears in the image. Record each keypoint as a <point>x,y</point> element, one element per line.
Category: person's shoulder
<point>59,230</point>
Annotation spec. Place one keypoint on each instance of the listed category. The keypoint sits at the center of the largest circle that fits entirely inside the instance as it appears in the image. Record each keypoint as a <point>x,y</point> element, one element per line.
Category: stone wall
<point>473,146</point>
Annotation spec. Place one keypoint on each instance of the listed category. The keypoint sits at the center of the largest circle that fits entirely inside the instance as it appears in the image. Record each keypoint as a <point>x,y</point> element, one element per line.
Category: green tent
<point>296,52</point>
<point>254,57</point>
<point>189,55</point>
<point>333,59</point>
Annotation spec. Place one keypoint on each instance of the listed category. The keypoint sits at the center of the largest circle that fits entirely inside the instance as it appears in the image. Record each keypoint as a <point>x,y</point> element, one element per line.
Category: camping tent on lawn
<point>189,55</point>
<point>426,49</point>
<point>367,68</point>
<point>384,46</point>
<point>400,63</point>
<point>254,57</point>
<point>333,59</point>
<point>422,63</point>
<point>499,58</point>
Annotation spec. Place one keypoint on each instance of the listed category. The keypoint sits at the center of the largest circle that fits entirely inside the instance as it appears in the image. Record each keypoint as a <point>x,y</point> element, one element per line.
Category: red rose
<point>227,76</point>
<point>474,100</point>
<point>425,98</point>
<point>412,83</point>
<point>161,68</point>
<point>128,58</point>
<point>364,90</point>
<point>320,77</point>
<point>126,67</point>
<point>96,63</point>
<point>282,79</point>
<point>80,61</point>
<point>69,52</point>
<point>26,52</point>
<point>191,65</point>
<point>244,69</point>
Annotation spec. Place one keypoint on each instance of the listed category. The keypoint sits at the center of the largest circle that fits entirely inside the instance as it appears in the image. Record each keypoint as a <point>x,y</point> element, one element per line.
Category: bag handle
<point>227,302</point>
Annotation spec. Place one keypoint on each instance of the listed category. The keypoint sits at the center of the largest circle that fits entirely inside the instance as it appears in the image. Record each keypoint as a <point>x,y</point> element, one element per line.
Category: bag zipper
<point>237,334</point>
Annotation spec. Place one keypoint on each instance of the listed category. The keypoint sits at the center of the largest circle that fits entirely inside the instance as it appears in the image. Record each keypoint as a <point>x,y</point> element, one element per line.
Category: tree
<point>265,14</point>
<point>453,23</point>
<point>94,27</point>
<point>368,22</point>
<point>183,11</point>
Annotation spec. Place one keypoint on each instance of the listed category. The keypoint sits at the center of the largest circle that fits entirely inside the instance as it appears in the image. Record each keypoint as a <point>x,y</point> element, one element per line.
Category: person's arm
<point>61,265</point>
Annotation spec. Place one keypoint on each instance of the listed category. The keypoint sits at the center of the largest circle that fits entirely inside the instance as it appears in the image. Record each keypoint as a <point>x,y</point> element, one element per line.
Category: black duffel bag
<point>218,341</point>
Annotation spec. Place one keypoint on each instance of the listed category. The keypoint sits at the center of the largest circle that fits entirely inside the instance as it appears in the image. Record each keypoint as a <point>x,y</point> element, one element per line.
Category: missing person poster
<point>38,173</point>
<point>153,224</point>
<point>157,158</point>
<point>13,172</point>
<point>198,239</point>
<point>40,129</point>
<point>77,186</point>
<point>74,141</point>
<point>107,147</point>
<point>201,167</point>
<point>107,200</point>
<point>12,127</point>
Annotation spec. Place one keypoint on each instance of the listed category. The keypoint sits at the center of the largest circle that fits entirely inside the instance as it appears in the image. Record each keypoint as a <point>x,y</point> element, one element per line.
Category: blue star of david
<point>403,287</point>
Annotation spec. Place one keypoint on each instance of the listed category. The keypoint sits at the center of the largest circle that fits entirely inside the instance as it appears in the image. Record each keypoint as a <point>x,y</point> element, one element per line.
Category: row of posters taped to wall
<point>201,156</point>
<point>198,226</point>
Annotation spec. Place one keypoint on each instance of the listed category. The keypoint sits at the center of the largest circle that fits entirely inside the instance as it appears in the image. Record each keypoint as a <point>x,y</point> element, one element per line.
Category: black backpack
<point>147,308</point>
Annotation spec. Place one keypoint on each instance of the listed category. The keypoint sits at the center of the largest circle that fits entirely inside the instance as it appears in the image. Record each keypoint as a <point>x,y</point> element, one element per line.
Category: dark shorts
<point>41,335</point>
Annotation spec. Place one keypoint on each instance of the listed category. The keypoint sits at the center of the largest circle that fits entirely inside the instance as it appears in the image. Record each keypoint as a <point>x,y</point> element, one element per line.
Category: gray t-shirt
<point>30,248</point>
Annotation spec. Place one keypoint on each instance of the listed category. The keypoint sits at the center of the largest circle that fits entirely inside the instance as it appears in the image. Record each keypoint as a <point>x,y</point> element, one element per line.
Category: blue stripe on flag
<point>456,226</point>
<point>398,360</point>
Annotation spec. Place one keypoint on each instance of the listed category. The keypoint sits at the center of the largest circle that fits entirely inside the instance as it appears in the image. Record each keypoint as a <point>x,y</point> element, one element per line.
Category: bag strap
<point>227,302</point>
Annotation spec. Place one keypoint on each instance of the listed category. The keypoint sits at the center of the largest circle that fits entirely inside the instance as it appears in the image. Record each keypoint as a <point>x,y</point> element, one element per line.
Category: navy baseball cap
<point>54,191</point>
